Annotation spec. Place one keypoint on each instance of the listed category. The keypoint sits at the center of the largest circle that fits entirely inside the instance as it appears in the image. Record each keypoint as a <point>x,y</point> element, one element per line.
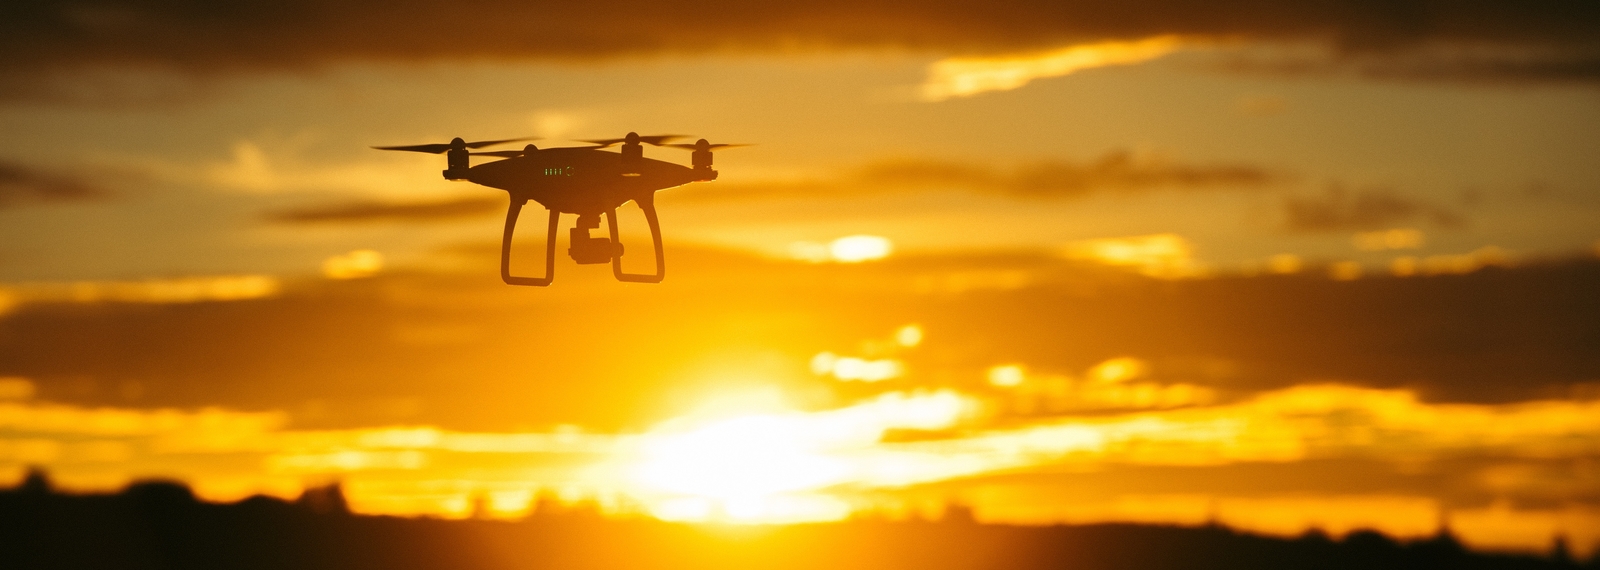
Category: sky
<point>1279,266</point>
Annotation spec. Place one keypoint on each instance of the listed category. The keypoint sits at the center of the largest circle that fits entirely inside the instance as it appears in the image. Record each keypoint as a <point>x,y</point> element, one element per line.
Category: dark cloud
<point>106,88</point>
<point>372,211</point>
<point>1445,65</point>
<point>1115,171</point>
<point>20,185</point>
<point>254,34</point>
<point>1575,68</point>
<point>1368,209</point>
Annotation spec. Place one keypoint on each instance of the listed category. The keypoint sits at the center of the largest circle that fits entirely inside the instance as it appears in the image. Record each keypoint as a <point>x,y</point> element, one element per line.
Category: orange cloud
<point>1115,171</point>
<point>53,35</point>
<point>967,76</point>
<point>1167,256</point>
<point>193,289</point>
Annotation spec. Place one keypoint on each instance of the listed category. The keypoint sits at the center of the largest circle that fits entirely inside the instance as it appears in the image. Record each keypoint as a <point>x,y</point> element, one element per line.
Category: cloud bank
<point>375,211</point>
<point>1117,171</point>
<point>1367,209</point>
<point>43,35</point>
<point>20,185</point>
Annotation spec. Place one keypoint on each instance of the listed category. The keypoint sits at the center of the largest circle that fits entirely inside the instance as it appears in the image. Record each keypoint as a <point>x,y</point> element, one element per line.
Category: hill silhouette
<point>161,525</point>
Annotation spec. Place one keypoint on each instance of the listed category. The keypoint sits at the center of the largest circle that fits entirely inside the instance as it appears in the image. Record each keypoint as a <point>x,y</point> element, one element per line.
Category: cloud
<point>285,167</point>
<point>1495,68</point>
<point>1369,209</point>
<point>20,185</point>
<point>362,186</point>
<point>1163,256</point>
<point>1396,238</point>
<point>967,76</point>
<point>1470,64</point>
<point>178,290</point>
<point>1047,179</point>
<point>1451,264</point>
<point>377,211</point>
<point>358,264</point>
<point>47,35</point>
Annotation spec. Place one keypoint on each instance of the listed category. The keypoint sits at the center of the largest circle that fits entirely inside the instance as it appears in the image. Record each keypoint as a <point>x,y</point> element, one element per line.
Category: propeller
<point>527,150</point>
<point>657,140</point>
<point>442,147</point>
<point>703,144</point>
<point>502,153</point>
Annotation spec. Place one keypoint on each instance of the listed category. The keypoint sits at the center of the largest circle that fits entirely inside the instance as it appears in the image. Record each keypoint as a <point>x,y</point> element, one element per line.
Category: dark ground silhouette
<point>162,525</point>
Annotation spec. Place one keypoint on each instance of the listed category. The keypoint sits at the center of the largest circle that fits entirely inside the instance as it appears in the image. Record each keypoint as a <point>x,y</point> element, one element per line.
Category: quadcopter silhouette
<point>583,180</point>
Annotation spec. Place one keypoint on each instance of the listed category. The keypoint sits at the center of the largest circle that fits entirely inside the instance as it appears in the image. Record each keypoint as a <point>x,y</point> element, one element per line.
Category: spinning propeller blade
<point>501,153</point>
<point>686,146</point>
<point>527,150</point>
<point>441,147</point>
<point>428,148</point>
<point>481,144</point>
<point>657,140</point>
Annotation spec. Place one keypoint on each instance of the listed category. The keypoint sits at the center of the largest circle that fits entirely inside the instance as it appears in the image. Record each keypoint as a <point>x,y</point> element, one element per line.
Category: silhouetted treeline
<point>162,525</point>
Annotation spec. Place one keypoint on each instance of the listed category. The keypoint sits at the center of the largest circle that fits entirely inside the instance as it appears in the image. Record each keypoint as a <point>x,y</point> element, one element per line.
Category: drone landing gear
<point>549,248</point>
<point>584,248</point>
<point>648,204</point>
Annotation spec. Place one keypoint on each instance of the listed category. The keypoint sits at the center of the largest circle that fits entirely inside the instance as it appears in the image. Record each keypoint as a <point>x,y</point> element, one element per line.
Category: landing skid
<point>515,210</point>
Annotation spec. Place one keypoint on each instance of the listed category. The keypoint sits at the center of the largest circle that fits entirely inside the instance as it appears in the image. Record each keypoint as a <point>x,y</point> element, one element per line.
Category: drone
<point>583,180</point>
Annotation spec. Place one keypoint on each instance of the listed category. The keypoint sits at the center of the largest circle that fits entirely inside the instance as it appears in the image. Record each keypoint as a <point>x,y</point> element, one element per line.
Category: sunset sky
<point>1281,266</point>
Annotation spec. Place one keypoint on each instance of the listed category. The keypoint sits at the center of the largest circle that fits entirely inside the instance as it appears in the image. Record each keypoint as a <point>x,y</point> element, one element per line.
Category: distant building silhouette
<point>162,525</point>
<point>325,499</point>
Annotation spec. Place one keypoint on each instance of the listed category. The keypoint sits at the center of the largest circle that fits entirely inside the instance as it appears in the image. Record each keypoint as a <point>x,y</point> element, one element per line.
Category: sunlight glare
<point>751,468</point>
<point>1163,256</point>
<point>859,248</point>
<point>848,368</point>
<point>848,249</point>
<point>1006,376</point>
<point>1118,370</point>
<point>354,265</point>
<point>908,336</point>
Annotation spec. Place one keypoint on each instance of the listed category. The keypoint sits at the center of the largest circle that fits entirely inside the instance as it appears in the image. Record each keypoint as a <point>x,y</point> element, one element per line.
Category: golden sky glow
<point>791,465</point>
<point>1314,267</point>
<point>179,290</point>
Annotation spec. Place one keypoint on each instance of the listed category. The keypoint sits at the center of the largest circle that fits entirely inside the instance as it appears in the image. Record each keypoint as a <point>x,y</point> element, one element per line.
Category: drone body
<point>582,181</point>
<point>585,181</point>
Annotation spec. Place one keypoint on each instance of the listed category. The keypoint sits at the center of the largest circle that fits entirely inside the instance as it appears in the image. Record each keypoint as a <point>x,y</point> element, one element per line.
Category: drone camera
<point>592,250</point>
<point>588,250</point>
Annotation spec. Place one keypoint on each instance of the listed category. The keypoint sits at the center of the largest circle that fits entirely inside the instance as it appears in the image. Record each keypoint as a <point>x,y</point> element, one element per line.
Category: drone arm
<point>649,206</point>
<point>549,248</point>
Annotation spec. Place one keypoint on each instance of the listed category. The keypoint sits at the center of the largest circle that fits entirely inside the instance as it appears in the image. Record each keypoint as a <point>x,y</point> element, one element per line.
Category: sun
<point>775,466</point>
